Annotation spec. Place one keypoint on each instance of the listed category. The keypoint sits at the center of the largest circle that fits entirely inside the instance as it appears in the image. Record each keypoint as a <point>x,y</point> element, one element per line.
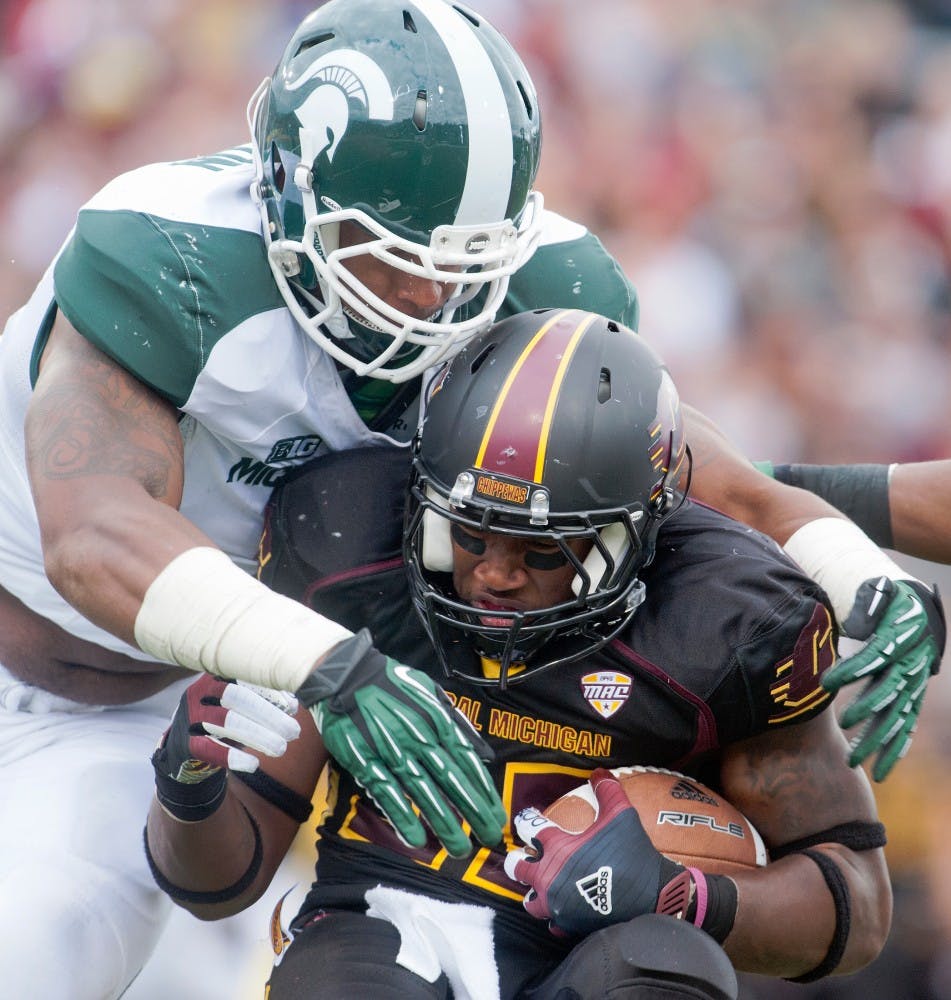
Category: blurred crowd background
<point>775,177</point>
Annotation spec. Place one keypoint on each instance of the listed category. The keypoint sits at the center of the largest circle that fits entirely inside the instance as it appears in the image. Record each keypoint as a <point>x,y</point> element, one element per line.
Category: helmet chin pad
<point>615,539</point>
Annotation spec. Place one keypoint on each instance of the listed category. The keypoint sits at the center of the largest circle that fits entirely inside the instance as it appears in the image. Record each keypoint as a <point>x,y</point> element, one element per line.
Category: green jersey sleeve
<point>574,273</point>
<point>156,295</point>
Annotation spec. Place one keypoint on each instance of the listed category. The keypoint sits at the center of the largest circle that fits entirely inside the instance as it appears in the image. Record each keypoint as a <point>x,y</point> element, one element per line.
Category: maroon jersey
<point>731,640</point>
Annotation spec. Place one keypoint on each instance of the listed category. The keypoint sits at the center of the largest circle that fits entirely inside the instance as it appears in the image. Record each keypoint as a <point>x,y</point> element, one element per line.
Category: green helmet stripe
<point>489,176</point>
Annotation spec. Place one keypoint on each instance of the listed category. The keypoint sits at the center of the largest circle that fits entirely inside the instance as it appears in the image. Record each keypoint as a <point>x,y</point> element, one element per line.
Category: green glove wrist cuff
<point>348,666</point>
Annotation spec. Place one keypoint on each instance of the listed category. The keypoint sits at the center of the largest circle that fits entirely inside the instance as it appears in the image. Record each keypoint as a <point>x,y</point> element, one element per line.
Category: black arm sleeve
<point>859,491</point>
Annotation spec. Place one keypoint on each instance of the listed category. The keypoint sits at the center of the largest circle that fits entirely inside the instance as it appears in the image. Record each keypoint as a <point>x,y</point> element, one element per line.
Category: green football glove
<point>903,621</point>
<point>397,733</point>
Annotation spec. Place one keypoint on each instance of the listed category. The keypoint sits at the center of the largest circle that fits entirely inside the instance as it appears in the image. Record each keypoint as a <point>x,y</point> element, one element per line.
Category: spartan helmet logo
<point>343,76</point>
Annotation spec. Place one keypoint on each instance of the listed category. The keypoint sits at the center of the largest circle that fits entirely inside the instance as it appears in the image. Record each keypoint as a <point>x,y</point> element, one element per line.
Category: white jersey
<point>257,396</point>
<point>166,273</point>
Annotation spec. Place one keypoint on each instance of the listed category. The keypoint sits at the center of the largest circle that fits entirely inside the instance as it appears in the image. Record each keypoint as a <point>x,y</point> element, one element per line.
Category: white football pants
<point>79,911</point>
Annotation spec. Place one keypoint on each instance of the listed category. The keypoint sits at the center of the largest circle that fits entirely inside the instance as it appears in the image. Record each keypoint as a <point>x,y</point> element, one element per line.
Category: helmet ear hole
<point>277,169</point>
<point>436,544</point>
<point>615,539</point>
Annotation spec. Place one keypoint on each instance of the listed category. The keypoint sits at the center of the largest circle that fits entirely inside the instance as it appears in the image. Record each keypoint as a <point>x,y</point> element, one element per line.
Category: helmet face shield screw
<point>462,489</point>
<point>539,507</point>
<point>304,178</point>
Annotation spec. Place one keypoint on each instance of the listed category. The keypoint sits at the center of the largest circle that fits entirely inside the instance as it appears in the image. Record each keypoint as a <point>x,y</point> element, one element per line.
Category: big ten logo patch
<point>290,451</point>
<point>284,454</point>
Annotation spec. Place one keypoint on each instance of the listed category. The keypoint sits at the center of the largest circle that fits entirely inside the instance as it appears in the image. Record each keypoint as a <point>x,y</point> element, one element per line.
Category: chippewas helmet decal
<point>500,488</point>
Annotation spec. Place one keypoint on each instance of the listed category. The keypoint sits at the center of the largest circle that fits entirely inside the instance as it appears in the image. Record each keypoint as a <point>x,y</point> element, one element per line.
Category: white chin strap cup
<point>437,545</point>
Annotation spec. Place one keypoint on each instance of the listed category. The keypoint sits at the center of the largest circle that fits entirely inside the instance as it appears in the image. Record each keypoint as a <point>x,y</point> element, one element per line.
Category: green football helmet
<point>416,120</point>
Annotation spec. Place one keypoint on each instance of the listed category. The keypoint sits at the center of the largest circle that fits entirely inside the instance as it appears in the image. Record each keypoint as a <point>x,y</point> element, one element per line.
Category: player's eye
<point>466,540</point>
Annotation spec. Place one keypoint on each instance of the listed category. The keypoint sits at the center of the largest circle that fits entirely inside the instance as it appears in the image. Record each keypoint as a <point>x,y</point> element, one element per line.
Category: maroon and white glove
<point>213,715</point>
<point>609,873</point>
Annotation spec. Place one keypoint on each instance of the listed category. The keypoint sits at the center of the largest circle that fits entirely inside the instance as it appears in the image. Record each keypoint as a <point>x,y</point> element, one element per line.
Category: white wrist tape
<point>840,557</point>
<point>204,613</point>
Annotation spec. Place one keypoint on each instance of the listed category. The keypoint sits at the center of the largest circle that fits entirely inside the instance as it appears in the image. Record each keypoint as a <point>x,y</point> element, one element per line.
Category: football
<point>685,820</point>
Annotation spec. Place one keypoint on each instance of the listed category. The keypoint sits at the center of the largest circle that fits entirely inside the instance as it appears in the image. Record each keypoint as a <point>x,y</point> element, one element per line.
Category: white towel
<point>454,938</point>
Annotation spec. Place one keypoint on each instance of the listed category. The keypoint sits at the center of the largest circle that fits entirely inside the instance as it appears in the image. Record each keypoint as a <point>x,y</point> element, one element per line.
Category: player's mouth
<point>364,318</point>
<point>495,620</point>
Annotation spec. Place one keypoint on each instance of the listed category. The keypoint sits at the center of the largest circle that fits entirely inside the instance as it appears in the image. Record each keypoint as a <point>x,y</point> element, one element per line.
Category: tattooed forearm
<point>790,781</point>
<point>99,420</point>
